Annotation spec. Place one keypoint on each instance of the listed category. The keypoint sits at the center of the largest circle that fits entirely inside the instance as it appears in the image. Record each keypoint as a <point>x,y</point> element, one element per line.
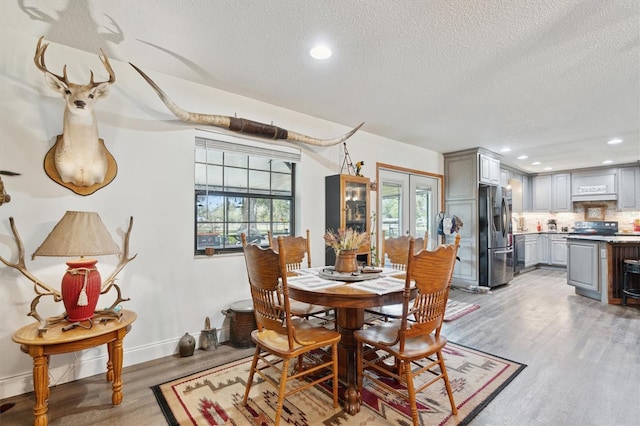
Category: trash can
<point>243,322</point>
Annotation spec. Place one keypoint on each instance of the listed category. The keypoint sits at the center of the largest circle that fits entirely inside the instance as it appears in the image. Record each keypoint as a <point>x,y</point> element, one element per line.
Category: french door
<point>408,203</point>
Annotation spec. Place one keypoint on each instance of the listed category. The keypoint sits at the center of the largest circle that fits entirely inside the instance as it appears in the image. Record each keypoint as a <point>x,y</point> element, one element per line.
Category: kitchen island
<point>594,265</point>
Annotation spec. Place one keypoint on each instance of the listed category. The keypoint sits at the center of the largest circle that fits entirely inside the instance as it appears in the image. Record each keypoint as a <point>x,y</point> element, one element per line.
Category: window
<point>242,186</point>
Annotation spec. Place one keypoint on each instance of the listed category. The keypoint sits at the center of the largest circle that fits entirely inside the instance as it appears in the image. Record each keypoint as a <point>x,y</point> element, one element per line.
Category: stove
<point>595,228</point>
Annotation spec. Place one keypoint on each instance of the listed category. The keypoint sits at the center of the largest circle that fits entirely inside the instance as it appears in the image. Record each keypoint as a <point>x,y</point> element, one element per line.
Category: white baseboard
<point>88,365</point>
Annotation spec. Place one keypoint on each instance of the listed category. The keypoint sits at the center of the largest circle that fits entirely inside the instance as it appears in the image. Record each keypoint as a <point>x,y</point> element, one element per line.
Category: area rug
<point>214,396</point>
<point>457,309</point>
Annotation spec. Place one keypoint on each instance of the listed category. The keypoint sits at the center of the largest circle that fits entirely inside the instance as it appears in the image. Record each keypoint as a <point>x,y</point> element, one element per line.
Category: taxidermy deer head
<point>80,157</point>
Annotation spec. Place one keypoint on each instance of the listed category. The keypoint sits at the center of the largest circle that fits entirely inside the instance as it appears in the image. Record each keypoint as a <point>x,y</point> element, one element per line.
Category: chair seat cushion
<point>415,347</point>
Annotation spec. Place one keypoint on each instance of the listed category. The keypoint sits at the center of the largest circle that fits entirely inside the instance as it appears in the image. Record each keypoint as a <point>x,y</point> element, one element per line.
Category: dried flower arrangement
<point>349,239</point>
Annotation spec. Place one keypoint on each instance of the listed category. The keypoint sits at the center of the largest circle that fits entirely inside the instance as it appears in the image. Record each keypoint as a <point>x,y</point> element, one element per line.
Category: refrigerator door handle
<point>503,251</point>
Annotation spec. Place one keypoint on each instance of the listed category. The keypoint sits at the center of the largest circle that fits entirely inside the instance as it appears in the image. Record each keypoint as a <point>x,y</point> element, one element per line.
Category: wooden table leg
<point>40,385</point>
<point>110,362</point>
<point>115,356</point>
<point>349,320</point>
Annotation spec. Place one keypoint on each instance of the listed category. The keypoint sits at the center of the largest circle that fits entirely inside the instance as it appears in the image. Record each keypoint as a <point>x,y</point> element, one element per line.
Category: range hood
<point>594,186</point>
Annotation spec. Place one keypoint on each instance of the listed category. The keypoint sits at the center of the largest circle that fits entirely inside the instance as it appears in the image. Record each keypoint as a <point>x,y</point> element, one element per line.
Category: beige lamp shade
<point>78,234</point>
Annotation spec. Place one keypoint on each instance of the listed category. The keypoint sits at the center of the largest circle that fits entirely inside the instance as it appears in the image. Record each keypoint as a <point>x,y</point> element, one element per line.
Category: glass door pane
<point>408,204</point>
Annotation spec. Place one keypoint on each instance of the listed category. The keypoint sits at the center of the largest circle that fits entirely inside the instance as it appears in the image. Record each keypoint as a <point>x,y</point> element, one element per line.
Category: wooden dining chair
<point>296,250</point>
<point>281,336</point>
<point>412,343</point>
<point>395,249</point>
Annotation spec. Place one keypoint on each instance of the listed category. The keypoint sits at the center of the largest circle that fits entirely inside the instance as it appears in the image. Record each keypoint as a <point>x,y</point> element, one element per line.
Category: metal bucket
<point>243,322</point>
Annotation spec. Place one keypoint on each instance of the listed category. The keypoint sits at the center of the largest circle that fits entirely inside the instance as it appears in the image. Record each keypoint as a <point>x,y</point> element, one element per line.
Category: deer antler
<point>124,259</point>
<point>107,65</point>
<point>39,61</point>
<point>21,266</point>
<point>39,286</point>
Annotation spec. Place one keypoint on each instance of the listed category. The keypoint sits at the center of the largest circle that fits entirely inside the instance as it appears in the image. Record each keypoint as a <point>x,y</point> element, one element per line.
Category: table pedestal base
<point>349,320</point>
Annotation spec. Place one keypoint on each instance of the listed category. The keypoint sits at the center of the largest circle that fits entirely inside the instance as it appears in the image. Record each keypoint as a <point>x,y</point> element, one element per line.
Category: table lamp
<point>79,234</point>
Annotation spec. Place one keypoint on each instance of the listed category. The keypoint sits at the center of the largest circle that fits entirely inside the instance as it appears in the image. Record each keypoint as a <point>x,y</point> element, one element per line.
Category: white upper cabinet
<point>489,170</point>
<point>552,193</point>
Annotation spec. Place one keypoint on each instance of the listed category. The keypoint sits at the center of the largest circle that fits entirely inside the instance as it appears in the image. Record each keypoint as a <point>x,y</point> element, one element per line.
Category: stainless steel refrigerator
<point>496,238</point>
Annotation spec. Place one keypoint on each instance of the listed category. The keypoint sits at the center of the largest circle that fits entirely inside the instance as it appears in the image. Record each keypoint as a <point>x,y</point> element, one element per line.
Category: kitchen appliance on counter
<point>495,241</point>
<point>596,227</point>
<point>552,225</point>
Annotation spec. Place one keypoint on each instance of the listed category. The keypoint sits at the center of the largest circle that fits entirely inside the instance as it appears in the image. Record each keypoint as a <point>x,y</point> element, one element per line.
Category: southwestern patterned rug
<point>214,396</point>
<point>457,309</point>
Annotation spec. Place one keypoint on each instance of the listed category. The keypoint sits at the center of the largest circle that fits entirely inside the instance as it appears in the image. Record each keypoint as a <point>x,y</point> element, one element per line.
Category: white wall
<point>171,290</point>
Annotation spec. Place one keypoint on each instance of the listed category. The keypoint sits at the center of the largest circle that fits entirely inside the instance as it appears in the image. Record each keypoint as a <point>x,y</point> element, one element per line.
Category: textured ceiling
<point>552,79</point>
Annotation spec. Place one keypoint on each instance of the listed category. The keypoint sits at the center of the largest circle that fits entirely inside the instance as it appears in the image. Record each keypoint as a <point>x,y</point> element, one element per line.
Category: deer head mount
<point>242,125</point>
<point>79,159</point>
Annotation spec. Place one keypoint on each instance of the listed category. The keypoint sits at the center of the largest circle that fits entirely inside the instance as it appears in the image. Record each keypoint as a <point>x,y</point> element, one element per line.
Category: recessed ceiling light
<point>607,162</point>
<point>535,163</point>
<point>523,157</point>
<point>614,141</point>
<point>505,149</point>
<point>320,52</point>
<point>548,168</point>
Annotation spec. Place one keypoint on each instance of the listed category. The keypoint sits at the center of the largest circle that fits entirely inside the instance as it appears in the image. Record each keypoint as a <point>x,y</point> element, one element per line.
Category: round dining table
<point>350,304</point>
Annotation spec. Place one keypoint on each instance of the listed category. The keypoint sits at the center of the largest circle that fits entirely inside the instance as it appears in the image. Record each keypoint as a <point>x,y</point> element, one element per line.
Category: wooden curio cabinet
<point>347,206</point>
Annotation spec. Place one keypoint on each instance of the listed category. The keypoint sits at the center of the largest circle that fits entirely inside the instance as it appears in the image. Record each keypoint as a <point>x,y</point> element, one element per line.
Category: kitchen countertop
<point>574,235</point>
<point>618,238</point>
<point>540,232</point>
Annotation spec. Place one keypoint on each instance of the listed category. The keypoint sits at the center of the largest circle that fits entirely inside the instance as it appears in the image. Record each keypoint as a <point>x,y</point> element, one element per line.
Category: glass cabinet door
<point>355,200</point>
<point>347,206</point>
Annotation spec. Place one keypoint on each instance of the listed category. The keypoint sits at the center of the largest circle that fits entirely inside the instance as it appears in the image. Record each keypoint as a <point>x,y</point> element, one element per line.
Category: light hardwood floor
<point>583,362</point>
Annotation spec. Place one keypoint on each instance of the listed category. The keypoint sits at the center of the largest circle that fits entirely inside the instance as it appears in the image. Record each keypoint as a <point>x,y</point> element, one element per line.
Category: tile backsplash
<point>625,219</point>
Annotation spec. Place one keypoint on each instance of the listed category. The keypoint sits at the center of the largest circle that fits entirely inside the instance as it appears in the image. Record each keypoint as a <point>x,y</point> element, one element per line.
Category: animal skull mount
<point>79,160</point>
<point>242,125</point>
<point>4,197</point>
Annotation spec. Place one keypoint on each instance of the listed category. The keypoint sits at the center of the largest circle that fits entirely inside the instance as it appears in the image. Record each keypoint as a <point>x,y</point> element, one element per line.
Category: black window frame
<point>226,238</point>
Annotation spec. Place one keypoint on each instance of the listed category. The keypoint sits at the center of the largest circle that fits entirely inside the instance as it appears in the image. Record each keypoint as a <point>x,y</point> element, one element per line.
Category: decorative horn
<point>242,125</point>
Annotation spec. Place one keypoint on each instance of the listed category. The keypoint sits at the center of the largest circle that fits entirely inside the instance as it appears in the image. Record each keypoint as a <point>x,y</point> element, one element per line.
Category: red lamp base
<point>81,289</point>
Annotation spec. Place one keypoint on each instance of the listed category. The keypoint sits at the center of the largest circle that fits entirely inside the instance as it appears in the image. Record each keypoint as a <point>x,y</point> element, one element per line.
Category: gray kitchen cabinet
<point>467,268</point>
<point>516,195</point>
<point>531,250</point>
<point>544,249</point>
<point>489,170</point>
<point>526,194</point>
<point>558,249</point>
<point>583,265</point>
<point>551,193</point>
<point>629,188</point>
<point>461,176</point>
<point>504,177</point>
<point>541,193</point>
<point>464,172</point>
<point>561,192</point>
